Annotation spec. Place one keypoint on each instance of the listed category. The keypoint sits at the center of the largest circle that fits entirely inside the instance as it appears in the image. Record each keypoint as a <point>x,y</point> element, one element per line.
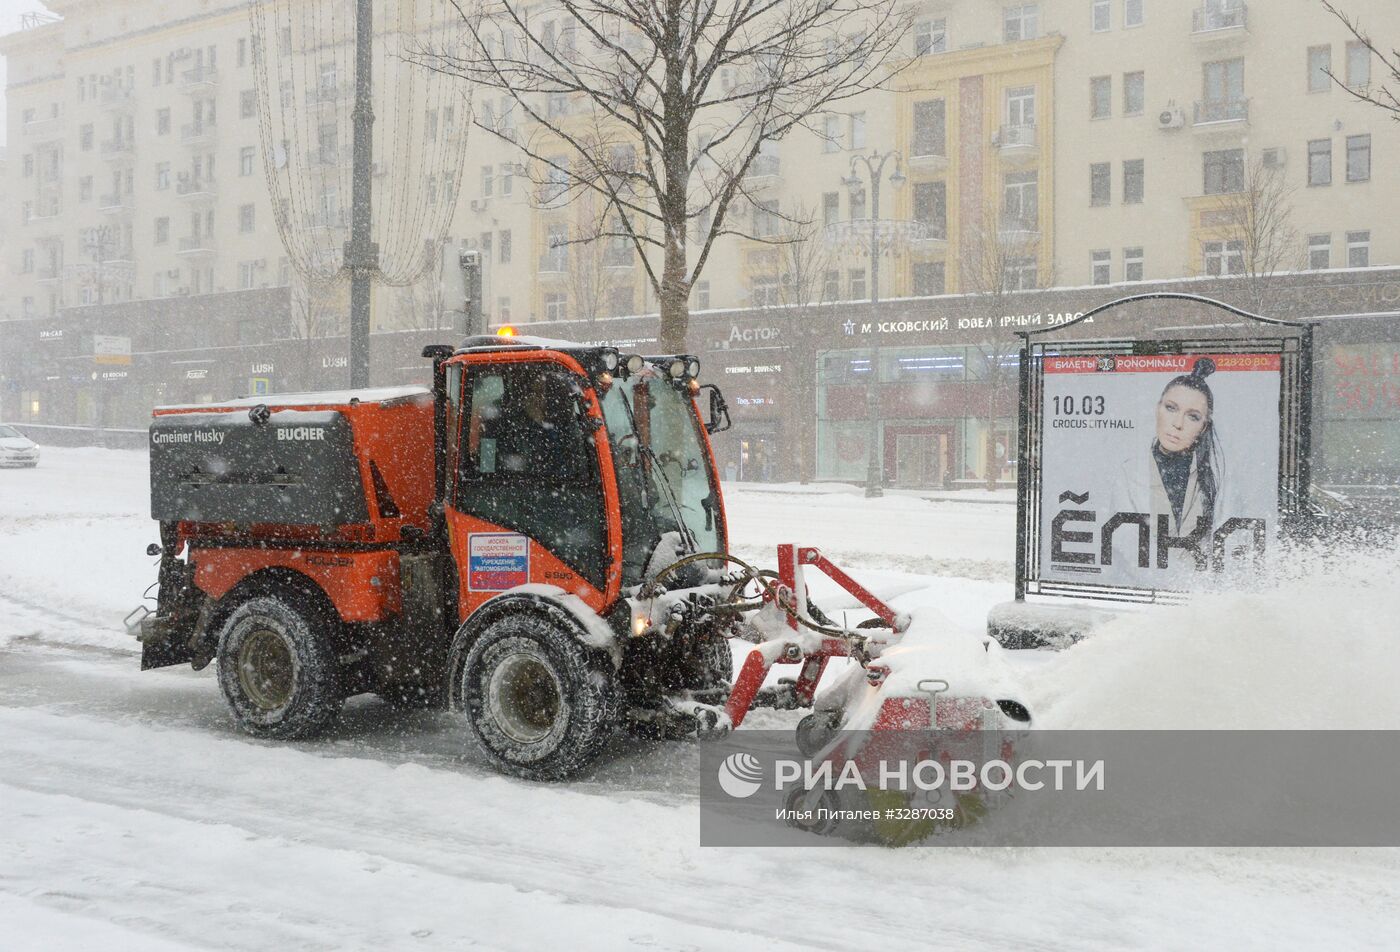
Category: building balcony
<point>1220,115</point>
<point>197,134</point>
<point>196,246</point>
<point>1015,142</point>
<point>45,218</point>
<point>47,126</point>
<point>329,95</point>
<point>929,160</point>
<point>201,78</point>
<point>326,156</point>
<point>119,150</point>
<point>115,98</point>
<point>195,189</point>
<point>329,220</point>
<point>115,204</point>
<point>763,171</point>
<point>1015,228</point>
<point>1214,24</point>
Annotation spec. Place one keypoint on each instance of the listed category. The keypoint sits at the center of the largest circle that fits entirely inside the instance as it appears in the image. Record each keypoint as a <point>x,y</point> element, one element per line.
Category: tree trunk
<point>675,294</point>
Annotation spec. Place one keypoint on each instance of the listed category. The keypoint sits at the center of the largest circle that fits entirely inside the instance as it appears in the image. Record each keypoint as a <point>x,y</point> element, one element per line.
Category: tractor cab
<point>573,466</point>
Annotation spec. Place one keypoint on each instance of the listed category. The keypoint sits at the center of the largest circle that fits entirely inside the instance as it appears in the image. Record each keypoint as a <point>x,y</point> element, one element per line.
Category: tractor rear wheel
<point>277,669</point>
<point>539,702</point>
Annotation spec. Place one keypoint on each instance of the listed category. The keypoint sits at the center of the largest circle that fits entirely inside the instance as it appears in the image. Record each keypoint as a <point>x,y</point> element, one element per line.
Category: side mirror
<point>719,411</point>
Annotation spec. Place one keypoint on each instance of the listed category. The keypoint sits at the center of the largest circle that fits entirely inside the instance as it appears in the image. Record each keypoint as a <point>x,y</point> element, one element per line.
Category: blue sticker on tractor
<point>497,561</point>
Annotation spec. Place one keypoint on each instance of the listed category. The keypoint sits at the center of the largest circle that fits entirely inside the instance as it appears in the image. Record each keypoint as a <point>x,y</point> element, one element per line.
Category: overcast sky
<point>10,11</point>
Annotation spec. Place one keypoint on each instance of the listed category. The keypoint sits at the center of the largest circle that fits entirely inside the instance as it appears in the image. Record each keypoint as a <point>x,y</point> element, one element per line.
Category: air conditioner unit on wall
<point>1171,117</point>
<point>1274,158</point>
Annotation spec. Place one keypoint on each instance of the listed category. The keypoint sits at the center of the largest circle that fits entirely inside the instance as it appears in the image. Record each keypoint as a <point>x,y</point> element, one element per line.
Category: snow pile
<point>1317,647</point>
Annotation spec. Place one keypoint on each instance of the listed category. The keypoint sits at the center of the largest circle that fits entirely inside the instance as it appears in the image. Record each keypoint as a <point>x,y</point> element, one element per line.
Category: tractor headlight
<point>676,369</point>
<point>692,368</point>
<point>634,364</point>
<point>610,360</point>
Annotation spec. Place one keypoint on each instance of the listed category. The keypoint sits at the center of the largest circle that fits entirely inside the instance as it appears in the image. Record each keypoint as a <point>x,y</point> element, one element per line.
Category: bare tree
<point>601,272</point>
<point>1382,95</point>
<point>1257,221</point>
<point>318,310</point>
<point>660,109</point>
<point>1000,255</point>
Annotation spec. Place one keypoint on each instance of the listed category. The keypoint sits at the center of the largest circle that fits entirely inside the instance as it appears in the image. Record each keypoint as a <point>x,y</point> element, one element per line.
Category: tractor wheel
<point>816,730</point>
<point>713,663</point>
<point>539,702</point>
<point>277,669</point>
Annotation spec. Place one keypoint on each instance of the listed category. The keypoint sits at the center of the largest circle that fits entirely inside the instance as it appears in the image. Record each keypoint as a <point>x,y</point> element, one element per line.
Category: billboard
<point>1158,472</point>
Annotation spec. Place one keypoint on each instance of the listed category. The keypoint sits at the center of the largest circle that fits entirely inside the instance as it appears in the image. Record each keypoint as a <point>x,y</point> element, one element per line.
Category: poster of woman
<point>1158,472</point>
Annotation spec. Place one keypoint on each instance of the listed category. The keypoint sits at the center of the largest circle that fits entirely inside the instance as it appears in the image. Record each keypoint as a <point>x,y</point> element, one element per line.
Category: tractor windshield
<point>664,473</point>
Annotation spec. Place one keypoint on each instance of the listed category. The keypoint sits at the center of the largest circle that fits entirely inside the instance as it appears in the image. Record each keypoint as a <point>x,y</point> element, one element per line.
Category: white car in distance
<point>16,449</point>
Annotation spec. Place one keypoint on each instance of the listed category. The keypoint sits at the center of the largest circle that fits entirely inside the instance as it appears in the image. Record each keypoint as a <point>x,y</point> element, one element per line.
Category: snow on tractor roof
<point>320,398</point>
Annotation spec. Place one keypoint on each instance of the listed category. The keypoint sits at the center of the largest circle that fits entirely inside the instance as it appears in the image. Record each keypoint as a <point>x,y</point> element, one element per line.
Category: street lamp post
<point>874,164</point>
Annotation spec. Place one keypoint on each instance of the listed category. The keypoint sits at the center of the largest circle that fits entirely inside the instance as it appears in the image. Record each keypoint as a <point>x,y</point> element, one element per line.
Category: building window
<point>1134,93</point>
<point>556,255</point>
<point>930,36</point>
<point>556,306</point>
<point>27,261</point>
<point>1358,65</point>
<point>831,285</point>
<point>1223,91</point>
<point>1020,22</point>
<point>162,176</point>
<point>163,122</point>
<point>1319,64</point>
<point>1101,16</point>
<point>857,130</point>
<point>28,164</point>
<point>1320,162</point>
<point>1132,264</point>
<point>1359,158</point>
<point>1100,97</point>
<point>1133,181</point>
<point>85,188</point>
<point>242,56</point>
<point>1019,274</point>
<point>1358,249</point>
<point>162,236</point>
<point>248,104</point>
<point>765,219</point>
<point>85,137</point>
<point>928,278</point>
<point>1020,106</point>
<point>503,247</point>
<point>856,279</point>
<point>1223,258</point>
<point>488,180</point>
<point>831,208</point>
<point>702,295</point>
<point>245,160</point>
<point>1100,184</point>
<point>1319,252</point>
<point>1132,13</point>
<point>507,176</point>
<point>763,291</point>
<point>931,207</point>
<point>1224,171</point>
<point>930,132</point>
<point>245,218</point>
<point>857,205</point>
<point>831,134</point>
<point>1021,201</point>
<point>1101,266</point>
<point>247,271</point>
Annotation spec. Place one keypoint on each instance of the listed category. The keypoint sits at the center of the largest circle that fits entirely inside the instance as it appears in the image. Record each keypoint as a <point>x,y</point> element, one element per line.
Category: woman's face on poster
<point>1182,414</point>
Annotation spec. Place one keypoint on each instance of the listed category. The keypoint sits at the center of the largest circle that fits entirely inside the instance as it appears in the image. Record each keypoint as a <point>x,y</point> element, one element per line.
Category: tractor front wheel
<point>539,702</point>
<point>277,669</point>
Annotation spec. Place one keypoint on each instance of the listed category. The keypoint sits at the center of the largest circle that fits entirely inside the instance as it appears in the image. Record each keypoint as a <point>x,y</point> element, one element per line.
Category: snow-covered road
<point>133,816</point>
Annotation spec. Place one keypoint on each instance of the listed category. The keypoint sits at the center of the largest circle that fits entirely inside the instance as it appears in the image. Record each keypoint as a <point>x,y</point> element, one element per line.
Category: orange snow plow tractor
<point>538,543</point>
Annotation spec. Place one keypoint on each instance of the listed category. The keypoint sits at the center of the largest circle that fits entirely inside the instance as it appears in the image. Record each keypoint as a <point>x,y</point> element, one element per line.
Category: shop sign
<point>939,325</point>
<point>199,374</point>
<point>53,334</point>
<point>754,369</point>
<point>111,350</point>
<point>749,335</point>
<point>333,362</point>
<point>266,367</point>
